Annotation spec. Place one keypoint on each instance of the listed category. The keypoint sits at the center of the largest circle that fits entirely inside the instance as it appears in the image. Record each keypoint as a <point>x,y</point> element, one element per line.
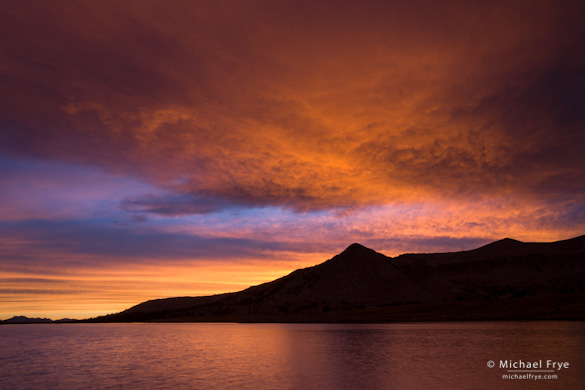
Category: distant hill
<point>27,320</point>
<point>506,279</point>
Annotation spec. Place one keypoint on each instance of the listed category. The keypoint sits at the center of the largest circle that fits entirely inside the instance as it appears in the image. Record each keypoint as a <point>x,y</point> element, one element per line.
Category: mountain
<point>27,320</point>
<point>506,279</point>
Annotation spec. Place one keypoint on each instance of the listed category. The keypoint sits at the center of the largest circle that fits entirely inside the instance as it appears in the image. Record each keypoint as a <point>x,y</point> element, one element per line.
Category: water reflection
<point>285,356</point>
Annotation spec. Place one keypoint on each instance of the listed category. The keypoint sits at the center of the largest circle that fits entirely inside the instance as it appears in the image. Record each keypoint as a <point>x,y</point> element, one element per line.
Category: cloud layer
<point>303,105</point>
<point>141,132</point>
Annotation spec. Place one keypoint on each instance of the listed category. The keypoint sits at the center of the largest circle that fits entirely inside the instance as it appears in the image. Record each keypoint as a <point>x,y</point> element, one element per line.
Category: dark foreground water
<point>290,356</point>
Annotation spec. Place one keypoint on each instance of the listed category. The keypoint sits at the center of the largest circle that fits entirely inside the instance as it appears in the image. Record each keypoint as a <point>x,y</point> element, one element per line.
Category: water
<point>286,356</point>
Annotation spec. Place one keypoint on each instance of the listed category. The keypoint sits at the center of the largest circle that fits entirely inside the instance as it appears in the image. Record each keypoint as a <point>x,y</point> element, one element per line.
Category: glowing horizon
<point>150,150</point>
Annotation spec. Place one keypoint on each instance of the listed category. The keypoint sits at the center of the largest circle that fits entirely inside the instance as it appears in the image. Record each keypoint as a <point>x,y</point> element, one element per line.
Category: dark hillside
<point>502,280</point>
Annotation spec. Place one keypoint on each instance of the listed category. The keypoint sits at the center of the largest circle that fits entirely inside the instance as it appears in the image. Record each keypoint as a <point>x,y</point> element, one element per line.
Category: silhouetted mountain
<point>507,246</point>
<point>507,279</point>
<point>63,320</point>
<point>26,320</point>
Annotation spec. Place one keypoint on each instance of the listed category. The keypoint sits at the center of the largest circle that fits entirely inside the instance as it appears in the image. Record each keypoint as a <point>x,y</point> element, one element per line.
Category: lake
<point>292,356</point>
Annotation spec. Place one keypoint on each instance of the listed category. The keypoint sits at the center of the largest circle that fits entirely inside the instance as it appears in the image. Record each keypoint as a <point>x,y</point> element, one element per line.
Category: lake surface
<point>288,356</point>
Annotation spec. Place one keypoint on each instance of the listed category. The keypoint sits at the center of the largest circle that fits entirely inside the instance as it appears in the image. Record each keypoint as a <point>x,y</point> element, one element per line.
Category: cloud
<point>173,205</point>
<point>86,244</point>
<point>232,142</point>
<point>300,105</point>
<point>44,189</point>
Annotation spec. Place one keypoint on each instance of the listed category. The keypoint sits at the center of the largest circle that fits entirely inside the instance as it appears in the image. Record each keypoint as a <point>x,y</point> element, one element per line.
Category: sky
<point>152,149</point>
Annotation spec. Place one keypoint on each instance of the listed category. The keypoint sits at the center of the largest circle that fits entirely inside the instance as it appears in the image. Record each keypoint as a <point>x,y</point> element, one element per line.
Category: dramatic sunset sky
<point>151,149</point>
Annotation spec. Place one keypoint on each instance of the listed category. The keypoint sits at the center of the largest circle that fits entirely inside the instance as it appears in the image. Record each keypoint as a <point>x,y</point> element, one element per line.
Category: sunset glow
<point>151,149</point>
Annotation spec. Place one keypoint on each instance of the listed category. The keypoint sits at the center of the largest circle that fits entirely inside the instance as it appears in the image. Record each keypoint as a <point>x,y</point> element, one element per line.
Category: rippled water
<point>286,356</point>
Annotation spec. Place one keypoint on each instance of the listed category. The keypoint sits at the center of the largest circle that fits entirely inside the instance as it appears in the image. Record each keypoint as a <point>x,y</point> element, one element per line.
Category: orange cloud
<point>284,106</point>
<point>416,126</point>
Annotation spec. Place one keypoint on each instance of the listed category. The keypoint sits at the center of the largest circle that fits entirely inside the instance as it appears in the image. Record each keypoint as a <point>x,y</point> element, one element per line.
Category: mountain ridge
<point>359,280</point>
<point>29,320</point>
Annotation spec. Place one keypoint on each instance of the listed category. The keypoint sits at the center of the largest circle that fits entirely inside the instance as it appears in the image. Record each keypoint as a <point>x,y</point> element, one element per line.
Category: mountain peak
<point>506,242</point>
<point>357,254</point>
<point>508,239</point>
<point>503,246</point>
<point>356,249</point>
